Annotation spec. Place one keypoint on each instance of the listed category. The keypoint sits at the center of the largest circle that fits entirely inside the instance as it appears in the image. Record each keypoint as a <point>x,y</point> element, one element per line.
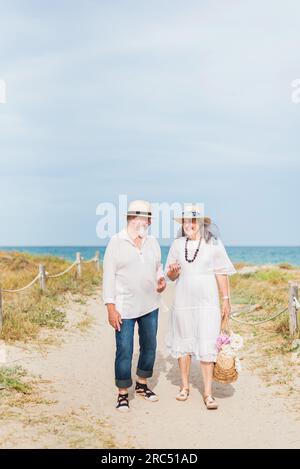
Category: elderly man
<point>132,281</point>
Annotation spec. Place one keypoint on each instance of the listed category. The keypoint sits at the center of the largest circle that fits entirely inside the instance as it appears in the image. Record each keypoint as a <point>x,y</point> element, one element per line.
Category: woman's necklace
<point>186,251</point>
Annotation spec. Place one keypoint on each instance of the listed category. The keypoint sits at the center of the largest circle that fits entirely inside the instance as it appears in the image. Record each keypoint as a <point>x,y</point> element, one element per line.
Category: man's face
<point>140,225</point>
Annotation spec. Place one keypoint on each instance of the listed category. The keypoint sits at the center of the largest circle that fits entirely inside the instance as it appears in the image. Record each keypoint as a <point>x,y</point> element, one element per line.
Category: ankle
<point>141,380</point>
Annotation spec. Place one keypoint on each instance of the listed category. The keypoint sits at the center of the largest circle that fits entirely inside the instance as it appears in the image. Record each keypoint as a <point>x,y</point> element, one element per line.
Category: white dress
<point>195,319</point>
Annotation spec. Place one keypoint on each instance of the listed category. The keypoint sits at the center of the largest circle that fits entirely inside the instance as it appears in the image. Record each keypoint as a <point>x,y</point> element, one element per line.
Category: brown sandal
<point>183,394</point>
<point>210,402</point>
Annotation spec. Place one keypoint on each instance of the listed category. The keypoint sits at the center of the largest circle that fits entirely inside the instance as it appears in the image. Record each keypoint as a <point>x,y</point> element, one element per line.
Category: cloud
<point>146,97</point>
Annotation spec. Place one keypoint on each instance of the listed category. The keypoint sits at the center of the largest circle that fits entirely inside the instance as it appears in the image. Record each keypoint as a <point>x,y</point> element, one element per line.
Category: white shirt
<point>130,275</point>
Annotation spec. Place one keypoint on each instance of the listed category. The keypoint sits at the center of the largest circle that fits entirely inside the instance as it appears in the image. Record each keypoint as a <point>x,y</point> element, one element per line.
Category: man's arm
<point>109,286</point>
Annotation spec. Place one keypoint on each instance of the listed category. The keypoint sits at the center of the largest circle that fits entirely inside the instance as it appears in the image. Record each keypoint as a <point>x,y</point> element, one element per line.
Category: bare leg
<point>207,373</point>
<point>184,365</point>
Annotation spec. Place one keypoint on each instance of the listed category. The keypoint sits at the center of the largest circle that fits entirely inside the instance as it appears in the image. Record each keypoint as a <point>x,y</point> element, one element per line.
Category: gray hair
<point>210,232</point>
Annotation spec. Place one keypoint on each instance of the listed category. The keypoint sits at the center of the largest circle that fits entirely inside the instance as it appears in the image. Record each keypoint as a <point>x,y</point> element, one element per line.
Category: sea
<point>256,255</point>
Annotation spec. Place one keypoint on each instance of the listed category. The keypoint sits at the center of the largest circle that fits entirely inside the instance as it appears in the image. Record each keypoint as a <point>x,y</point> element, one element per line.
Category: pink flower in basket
<point>222,340</point>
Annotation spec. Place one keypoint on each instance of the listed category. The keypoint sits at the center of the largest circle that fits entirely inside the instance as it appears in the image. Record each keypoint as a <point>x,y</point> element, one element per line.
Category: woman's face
<point>191,227</point>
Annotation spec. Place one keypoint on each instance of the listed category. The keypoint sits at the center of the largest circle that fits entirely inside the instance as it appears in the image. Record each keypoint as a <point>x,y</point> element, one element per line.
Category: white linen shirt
<point>130,275</point>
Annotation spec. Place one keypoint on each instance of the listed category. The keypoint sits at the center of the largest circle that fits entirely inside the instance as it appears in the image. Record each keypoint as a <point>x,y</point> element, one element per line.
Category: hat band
<point>139,212</point>
<point>192,213</point>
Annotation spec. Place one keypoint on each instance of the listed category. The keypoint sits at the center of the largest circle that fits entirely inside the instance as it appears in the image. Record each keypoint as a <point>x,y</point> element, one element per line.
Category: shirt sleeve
<point>109,274</point>
<point>172,258</point>
<point>222,263</point>
<point>159,266</point>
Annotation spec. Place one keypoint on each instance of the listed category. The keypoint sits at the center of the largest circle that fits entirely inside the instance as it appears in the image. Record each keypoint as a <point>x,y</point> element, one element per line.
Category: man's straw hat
<point>139,208</point>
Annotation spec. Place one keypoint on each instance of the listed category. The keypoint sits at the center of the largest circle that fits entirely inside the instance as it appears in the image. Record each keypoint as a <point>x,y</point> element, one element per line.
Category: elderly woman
<point>199,264</point>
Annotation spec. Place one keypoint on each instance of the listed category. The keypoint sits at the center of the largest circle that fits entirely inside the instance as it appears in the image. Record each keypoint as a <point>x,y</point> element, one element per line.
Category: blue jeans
<point>147,325</point>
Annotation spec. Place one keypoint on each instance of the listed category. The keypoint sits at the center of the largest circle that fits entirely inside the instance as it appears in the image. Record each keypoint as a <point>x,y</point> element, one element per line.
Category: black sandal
<point>142,390</point>
<point>123,403</point>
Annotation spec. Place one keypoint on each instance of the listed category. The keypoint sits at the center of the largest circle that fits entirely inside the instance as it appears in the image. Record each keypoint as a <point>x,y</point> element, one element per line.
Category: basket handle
<point>225,325</point>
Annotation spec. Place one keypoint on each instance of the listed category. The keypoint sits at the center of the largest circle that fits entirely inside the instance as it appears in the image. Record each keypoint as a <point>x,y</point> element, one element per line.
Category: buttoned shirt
<point>130,275</point>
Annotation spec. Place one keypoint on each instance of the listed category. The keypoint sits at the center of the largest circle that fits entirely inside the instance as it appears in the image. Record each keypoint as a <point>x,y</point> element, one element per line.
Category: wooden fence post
<point>78,259</point>
<point>1,310</point>
<point>97,261</point>
<point>293,318</point>
<point>42,272</point>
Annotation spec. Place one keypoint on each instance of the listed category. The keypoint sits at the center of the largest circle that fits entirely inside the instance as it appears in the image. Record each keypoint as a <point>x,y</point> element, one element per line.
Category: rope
<point>23,288</point>
<point>61,273</point>
<point>257,322</point>
<point>4,290</point>
<point>91,260</point>
<point>232,316</point>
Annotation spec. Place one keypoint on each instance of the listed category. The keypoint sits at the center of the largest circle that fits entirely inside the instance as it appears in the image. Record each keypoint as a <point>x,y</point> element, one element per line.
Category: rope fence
<point>60,274</point>
<point>23,288</point>
<point>255,323</point>
<point>292,308</point>
<point>43,276</point>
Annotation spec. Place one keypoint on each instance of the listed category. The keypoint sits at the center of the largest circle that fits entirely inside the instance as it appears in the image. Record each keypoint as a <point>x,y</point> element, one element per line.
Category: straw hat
<point>139,208</point>
<point>193,211</point>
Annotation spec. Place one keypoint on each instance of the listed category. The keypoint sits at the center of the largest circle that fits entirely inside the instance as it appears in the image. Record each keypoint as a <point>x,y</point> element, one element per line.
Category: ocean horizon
<point>248,254</point>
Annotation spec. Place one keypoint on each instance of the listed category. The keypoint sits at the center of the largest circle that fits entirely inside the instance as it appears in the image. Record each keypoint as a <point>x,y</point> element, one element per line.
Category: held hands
<point>161,285</point>
<point>114,317</point>
<point>174,271</point>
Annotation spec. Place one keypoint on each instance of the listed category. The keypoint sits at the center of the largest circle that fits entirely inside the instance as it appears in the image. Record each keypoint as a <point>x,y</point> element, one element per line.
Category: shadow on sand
<point>169,367</point>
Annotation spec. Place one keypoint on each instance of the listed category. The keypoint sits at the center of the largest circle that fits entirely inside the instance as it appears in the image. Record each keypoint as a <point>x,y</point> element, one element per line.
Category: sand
<point>81,371</point>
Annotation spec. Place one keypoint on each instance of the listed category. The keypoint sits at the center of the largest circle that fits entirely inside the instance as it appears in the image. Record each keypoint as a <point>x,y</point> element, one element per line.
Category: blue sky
<point>162,100</point>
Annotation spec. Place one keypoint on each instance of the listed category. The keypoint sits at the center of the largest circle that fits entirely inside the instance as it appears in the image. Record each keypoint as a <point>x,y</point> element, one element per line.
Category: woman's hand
<point>226,309</point>
<point>174,271</point>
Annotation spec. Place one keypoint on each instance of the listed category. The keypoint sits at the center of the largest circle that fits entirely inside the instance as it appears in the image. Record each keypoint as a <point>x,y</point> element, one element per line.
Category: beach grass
<point>269,348</point>
<point>26,313</point>
<point>268,290</point>
<point>12,378</point>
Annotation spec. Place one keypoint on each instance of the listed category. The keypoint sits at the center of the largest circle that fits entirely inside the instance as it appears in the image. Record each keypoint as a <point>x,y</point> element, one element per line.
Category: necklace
<point>186,251</point>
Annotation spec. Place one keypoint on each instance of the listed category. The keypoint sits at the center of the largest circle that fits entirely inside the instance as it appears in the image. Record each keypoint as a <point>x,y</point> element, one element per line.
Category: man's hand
<point>174,271</point>
<point>161,285</point>
<point>114,317</point>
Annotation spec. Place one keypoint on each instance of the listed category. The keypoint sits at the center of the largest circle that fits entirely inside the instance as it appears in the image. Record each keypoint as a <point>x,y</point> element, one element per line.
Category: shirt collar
<point>123,234</point>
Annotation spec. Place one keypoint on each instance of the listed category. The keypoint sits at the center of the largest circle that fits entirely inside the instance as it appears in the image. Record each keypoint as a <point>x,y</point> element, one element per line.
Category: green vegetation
<point>25,313</point>
<point>13,379</point>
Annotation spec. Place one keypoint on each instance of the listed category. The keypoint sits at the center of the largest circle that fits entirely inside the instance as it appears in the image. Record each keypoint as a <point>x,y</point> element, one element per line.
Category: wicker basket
<point>224,369</point>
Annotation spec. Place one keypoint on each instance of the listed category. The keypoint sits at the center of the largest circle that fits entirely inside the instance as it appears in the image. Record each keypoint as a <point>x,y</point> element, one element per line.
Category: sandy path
<point>81,372</point>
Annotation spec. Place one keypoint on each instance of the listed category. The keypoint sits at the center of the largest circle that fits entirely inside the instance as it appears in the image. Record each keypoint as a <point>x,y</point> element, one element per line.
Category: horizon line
<point>104,245</point>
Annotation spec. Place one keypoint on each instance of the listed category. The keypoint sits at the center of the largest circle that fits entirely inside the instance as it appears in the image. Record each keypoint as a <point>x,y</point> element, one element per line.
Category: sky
<point>168,101</point>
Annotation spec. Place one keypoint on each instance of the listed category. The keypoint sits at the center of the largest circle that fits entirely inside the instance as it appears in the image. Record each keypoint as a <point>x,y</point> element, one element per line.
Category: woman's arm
<point>172,269</point>
<point>223,285</point>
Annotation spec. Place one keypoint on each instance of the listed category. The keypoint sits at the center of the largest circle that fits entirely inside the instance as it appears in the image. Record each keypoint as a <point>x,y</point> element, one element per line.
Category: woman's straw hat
<point>193,211</point>
<point>139,208</point>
